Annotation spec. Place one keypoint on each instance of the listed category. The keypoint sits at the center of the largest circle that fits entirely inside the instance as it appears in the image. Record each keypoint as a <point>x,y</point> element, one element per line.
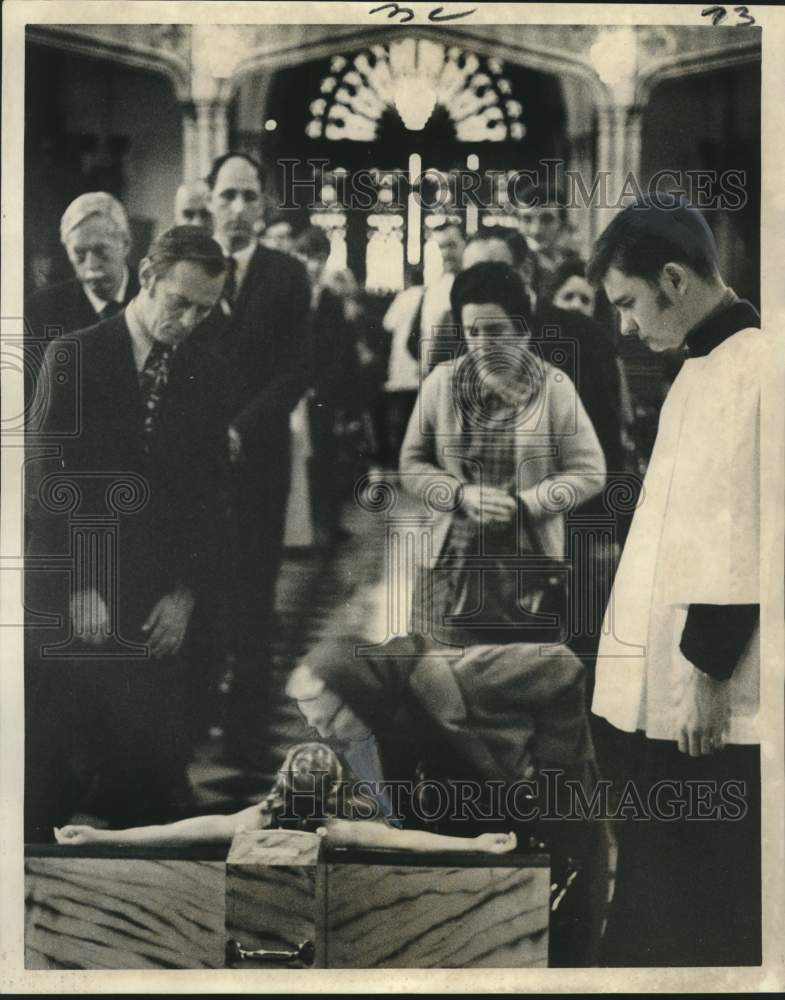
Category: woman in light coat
<point>499,449</point>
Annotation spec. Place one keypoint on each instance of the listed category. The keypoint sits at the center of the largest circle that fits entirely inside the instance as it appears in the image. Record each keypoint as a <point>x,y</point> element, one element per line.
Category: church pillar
<point>616,60</point>
<point>205,136</point>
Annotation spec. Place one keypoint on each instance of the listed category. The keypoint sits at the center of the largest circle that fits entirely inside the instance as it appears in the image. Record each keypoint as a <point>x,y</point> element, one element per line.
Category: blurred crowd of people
<point>177,414</point>
<point>320,380</point>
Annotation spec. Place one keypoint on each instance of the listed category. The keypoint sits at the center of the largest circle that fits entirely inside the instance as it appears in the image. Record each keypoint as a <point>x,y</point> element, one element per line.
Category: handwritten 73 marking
<point>719,14</point>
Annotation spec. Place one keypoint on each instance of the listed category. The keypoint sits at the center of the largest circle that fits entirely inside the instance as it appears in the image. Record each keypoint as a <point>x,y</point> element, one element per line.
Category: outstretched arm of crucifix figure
<point>194,830</point>
<point>367,833</point>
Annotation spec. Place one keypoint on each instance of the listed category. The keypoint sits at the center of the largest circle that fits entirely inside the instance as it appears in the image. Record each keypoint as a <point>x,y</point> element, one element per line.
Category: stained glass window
<point>413,76</point>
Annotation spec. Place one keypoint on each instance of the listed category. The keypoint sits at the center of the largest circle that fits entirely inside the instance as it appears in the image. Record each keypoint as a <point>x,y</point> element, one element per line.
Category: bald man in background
<point>192,205</point>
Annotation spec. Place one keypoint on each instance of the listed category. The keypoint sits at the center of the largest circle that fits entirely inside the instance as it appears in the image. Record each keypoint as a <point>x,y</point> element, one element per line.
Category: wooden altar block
<point>452,914</point>
<point>123,913</point>
<point>271,892</point>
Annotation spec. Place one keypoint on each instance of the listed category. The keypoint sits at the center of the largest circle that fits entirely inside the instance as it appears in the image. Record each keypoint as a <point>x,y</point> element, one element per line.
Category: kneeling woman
<point>487,740</point>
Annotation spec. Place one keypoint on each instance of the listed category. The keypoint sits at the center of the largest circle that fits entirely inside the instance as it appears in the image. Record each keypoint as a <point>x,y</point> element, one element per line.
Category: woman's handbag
<point>507,593</point>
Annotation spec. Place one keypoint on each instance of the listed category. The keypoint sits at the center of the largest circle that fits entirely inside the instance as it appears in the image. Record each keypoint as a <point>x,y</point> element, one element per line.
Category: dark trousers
<point>260,496</point>
<point>687,889</point>
<point>109,736</point>
<point>397,411</point>
<point>325,480</point>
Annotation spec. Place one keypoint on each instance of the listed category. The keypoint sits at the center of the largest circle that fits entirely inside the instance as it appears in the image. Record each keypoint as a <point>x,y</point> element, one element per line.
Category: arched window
<point>413,76</point>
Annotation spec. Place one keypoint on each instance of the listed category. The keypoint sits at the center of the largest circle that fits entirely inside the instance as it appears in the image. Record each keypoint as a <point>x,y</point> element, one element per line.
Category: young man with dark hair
<point>126,498</point>
<point>679,664</point>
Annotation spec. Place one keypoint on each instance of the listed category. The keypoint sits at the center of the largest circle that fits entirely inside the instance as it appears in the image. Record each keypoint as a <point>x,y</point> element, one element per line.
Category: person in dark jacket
<point>261,330</point>
<point>502,717</point>
<point>127,445</point>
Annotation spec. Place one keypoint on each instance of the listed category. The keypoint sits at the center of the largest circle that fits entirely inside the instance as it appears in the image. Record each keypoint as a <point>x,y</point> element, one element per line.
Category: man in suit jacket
<point>261,329</point>
<point>128,441</point>
<point>94,232</point>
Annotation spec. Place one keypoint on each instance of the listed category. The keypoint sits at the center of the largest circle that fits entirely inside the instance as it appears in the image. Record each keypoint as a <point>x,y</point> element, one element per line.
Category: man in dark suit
<point>261,329</point>
<point>94,232</point>
<point>127,446</point>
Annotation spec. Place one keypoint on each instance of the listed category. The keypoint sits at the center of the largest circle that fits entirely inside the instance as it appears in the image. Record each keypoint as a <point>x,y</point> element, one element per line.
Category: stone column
<point>190,143</point>
<point>215,51</point>
<point>211,133</point>
<point>615,56</point>
<point>618,156</point>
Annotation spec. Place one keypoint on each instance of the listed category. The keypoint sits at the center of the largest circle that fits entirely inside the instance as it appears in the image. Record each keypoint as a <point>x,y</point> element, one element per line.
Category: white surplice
<point>695,539</point>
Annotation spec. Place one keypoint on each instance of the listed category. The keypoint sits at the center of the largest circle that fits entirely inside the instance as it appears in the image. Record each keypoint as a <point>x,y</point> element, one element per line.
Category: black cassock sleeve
<point>715,635</point>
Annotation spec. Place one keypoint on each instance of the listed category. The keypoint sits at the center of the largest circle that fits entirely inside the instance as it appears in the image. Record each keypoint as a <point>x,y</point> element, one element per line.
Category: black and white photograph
<point>393,521</point>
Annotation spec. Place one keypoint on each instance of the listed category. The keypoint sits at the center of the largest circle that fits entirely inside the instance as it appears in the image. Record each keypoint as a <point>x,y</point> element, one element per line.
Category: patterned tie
<point>230,282</point>
<point>152,382</point>
<point>111,309</point>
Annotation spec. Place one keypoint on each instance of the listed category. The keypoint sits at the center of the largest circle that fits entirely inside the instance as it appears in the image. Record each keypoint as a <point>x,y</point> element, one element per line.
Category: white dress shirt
<point>242,258</point>
<point>141,341</point>
<point>119,296</point>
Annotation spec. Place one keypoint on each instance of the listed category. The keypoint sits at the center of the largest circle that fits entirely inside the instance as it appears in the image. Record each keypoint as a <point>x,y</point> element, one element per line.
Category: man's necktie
<point>111,309</point>
<point>230,282</point>
<point>152,382</point>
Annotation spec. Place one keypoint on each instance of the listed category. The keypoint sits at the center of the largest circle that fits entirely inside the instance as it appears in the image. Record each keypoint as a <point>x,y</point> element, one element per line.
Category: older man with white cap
<point>94,232</point>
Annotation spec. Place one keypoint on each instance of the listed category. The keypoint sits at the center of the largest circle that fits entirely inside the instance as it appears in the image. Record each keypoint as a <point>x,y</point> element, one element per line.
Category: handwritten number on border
<point>719,14</point>
<point>437,15</point>
<point>406,14</point>
<point>393,9</point>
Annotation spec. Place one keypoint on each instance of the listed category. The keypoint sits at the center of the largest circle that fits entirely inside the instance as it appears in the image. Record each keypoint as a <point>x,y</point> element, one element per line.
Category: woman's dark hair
<point>493,283</point>
<point>657,230</point>
<point>572,267</point>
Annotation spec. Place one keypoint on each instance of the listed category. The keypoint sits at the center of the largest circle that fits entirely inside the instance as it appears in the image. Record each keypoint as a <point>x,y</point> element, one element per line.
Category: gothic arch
<point>528,54</point>
<point>123,52</point>
<point>692,63</point>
